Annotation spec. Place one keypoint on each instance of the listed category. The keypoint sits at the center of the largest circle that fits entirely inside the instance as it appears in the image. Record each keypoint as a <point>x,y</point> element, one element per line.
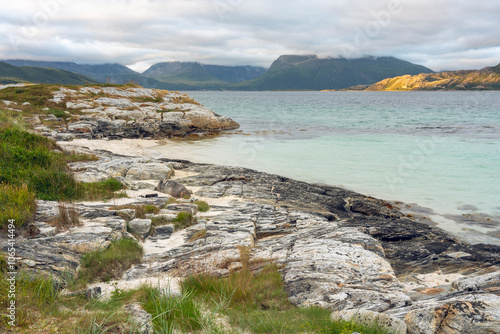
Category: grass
<point>109,263</point>
<point>202,206</point>
<point>34,166</point>
<point>198,235</point>
<point>18,203</point>
<point>183,220</point>
<point>41,308</point>
<point>67,217</point>
<point>103,190</point>
<point>257,303</point>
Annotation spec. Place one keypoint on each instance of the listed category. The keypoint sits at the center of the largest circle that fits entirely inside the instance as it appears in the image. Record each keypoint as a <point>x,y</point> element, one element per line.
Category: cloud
<point>442,34</point>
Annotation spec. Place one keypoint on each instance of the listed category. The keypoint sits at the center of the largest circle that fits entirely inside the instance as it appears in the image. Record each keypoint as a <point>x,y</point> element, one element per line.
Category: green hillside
<point>13,74</point>
<point>312,73</point>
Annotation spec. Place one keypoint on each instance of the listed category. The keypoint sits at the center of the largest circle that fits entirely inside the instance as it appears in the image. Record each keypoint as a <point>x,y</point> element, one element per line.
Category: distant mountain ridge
<point>310,72</point>
<point>288,72</point>
<point>15,74</point>
<point>98,72</point>
<point>193,71</point>
<point>487,78</point>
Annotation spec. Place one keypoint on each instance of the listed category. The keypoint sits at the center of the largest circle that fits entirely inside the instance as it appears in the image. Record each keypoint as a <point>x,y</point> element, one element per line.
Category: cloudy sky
<point>440,34</point>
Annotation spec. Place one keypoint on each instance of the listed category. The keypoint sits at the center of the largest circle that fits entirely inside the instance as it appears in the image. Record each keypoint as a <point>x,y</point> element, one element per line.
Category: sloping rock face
<point>112,112</point>
<point>335,248</point>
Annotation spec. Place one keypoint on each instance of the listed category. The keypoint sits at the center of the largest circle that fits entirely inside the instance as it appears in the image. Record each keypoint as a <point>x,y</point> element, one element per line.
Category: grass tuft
<point>18,203</point>
<point>183,220</point>
<point>202,206</point>
<point>109,263</point>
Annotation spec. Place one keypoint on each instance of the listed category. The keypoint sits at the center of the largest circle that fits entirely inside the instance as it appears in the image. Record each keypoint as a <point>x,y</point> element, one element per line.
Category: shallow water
<point>440,150</point>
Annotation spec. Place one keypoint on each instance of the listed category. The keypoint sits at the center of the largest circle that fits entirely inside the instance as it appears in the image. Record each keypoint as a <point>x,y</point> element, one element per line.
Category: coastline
<point>475,228</point>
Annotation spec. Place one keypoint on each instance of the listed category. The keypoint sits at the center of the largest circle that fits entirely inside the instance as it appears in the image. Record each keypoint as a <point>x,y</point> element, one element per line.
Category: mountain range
<point>288,72</point>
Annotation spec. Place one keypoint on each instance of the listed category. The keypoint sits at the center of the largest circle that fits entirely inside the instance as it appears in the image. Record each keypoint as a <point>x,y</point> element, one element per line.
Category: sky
<point>439,34</point>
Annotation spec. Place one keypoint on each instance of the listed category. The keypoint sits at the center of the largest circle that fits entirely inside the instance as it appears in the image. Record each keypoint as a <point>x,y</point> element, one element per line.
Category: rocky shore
<point>356,255</point>
<point>121,112</point>
<point>338,249</point>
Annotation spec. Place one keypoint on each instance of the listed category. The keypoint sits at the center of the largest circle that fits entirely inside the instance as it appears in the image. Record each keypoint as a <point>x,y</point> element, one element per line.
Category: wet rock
<point>140,226</point>
<point>173,188</point>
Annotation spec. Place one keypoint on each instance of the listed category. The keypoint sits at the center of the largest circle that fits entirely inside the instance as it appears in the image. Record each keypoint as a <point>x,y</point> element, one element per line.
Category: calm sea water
<point>440,150</point>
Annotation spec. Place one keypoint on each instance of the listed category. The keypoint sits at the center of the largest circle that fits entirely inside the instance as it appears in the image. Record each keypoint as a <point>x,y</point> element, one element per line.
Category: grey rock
<point>140,226</point>
<point>489,282</point>
<point>183,207</point>
<point>141,319</point>
<point>173,188</point>
<point>149,171</point>
<point>368,318</point>
<point>476,315</point>
<point>163,232</point>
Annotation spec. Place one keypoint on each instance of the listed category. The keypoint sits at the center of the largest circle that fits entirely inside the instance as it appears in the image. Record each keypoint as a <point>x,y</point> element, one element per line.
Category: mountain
<point>485,79</point>
<point>192,73</point>
<point>98,72</point>
<point>14,74</point>
<point>313,73</point>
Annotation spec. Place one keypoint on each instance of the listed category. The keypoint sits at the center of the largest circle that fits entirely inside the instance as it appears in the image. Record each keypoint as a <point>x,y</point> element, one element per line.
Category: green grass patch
<point>258,303</point>
<point>183,220</point>
<point>109,263</point>
<point>170,313</point>
<point>17,203</point>
<point>202,206</point>
<point>103,190</point>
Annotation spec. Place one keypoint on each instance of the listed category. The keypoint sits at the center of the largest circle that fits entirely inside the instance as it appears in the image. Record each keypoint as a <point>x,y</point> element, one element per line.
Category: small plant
<point>109,263</point>
<point>67,217</point>
<point>171,313</point>
<point>142,210</point>
<point>198,235</point>
<point>183,220</point>
<point>202,206</point>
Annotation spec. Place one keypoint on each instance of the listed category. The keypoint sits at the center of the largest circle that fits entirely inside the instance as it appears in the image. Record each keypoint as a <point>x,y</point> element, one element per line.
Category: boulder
<point>142,320</point>
<point>140,226</point>
<point>173,188</point>
<point>183,207</point>
<point>149,171</point>
<point>367,318</point>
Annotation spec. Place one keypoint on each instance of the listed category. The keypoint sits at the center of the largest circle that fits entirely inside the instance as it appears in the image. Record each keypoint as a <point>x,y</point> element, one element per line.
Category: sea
<point>437,154</point>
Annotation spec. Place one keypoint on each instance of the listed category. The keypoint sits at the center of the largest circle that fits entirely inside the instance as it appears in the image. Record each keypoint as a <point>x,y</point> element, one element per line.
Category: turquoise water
<point>440,150</point>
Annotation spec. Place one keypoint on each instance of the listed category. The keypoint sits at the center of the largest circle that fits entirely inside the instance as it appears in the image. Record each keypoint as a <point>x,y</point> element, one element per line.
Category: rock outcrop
<point>336,248</point>
<point>125,112</point>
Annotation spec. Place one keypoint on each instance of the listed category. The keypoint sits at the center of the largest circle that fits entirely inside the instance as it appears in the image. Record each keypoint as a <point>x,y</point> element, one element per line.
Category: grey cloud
<point>439,33</point>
